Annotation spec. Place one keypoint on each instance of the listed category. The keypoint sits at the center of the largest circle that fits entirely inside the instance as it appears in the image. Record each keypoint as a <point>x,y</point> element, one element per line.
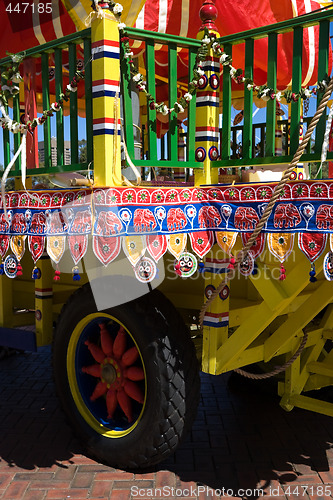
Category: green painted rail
<point>61,58</point>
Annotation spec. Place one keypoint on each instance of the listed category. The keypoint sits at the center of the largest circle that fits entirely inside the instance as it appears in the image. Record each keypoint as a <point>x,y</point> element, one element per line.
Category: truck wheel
<point>127,378</point>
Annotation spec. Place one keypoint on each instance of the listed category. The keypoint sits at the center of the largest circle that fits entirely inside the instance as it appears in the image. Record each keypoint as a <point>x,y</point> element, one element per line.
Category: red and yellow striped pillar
<point>208,97</point>
<point>106,99</point>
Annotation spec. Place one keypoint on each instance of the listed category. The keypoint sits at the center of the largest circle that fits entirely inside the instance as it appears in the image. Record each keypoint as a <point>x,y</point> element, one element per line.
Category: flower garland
<point>263,91</point>
<point>10,88</point>
<point>208,41</point>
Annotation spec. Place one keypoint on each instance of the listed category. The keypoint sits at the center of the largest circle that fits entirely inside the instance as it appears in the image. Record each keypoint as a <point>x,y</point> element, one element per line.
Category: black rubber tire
<point>172,373</point>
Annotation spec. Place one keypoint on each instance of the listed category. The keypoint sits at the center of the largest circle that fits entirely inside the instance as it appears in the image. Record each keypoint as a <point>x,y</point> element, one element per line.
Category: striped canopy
<point>180,17</point>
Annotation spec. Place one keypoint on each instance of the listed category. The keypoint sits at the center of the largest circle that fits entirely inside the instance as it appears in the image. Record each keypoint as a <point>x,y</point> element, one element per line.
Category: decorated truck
<point>151,226</point>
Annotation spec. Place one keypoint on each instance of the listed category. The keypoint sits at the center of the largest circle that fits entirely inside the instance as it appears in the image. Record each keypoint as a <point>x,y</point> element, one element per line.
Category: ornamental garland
<point>10,88</point>
<point>208,41</point>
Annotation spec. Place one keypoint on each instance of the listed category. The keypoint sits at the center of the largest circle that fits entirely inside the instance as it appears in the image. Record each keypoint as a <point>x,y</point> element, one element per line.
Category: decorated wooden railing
<point>46,71</point>
<point>248,40</point>
<point>172,48</point>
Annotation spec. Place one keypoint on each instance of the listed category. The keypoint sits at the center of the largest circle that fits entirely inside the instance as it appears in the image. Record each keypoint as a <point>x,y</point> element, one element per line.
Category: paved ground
<point>241,440</point>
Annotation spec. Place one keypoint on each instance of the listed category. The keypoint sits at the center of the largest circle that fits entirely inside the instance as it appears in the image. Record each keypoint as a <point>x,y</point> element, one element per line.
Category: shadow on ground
<point>241,438</point>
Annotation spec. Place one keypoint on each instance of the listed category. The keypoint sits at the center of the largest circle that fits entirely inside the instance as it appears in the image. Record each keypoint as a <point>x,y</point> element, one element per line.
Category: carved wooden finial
<point>208,14</point>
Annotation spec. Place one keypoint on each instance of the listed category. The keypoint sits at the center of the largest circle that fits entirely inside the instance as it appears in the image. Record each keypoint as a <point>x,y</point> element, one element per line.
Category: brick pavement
<point>241,439</point>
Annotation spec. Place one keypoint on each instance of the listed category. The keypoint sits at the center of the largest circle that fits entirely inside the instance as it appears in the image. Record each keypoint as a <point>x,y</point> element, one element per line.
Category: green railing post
<point>73,106</point>
<point>248,100</point>
<point>46,105</point>
<point>271,104</point>
<point>226,120</point>
<point>296,85</point>
<point>324,48</point>
<point>59,114</point>
<point>151,113</point>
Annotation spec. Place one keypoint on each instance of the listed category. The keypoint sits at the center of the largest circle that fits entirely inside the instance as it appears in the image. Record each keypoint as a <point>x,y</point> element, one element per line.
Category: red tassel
<point>19,270</point>
<point>56,275</point>
<point>232,263</point>
<point>177,269</point>
<point>282,273</point>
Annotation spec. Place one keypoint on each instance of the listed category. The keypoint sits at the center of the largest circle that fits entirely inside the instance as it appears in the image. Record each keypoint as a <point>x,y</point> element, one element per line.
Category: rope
<point>269,208</point>
<point>277,369</point>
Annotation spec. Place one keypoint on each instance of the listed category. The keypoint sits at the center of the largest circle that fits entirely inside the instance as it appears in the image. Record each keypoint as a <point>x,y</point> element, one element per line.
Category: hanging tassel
<point>282,273</point>
<point>56,276</point>
<point>177,269</point>
<point>19,270</point>
<point>36,273</point>
<point>232,263</point>
<point>255,269</point>
<point>76,274</point>
<point>312,274</point>
<point>2,270</point>
<point>201,266</point>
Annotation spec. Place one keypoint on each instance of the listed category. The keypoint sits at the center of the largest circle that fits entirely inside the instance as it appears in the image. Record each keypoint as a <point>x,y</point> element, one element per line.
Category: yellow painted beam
<point>324,368</point>
<point>262,316</point>
<point>312,404</point>
<point>316,382</point>
<point>299,319</point>
<point>271,290</point>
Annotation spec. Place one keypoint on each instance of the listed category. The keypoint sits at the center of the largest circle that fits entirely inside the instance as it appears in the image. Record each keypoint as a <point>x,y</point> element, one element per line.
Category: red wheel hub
<point>118,372</point>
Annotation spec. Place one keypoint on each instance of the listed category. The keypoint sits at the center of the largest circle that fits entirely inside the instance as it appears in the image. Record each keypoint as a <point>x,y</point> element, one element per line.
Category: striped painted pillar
<point>207,113</point>
<point>216,320</point>
<point>106,100</point>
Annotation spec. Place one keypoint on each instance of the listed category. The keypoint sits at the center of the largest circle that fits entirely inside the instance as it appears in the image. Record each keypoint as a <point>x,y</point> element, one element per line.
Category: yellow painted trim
<point>82,408</point>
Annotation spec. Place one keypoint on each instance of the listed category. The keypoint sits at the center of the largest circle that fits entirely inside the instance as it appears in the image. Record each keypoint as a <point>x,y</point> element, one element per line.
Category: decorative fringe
<point>56,275</point>
<point>19,270</point>
<point>76,274</point>
<point>201,267</point>
<point>36,273</point>
<point>232,263</point>
<point>177,269</point>
<point>282,273</point>
<point>312,274</point>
